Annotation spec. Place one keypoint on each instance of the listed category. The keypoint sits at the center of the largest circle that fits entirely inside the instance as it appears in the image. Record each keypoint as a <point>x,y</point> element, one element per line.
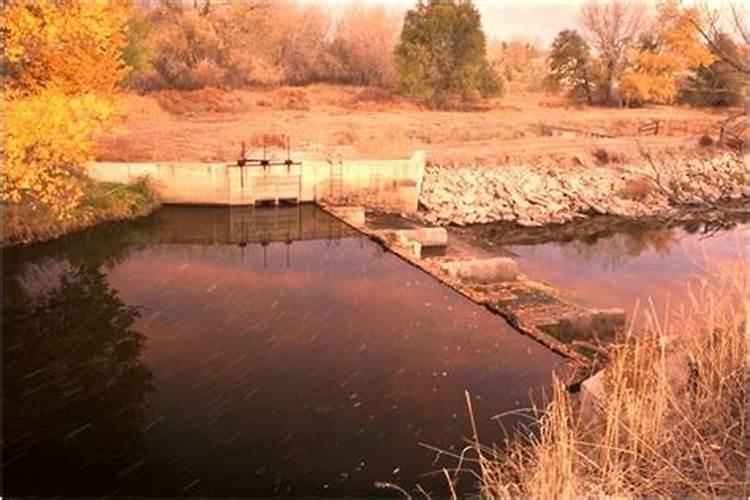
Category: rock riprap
<point>535,196</point>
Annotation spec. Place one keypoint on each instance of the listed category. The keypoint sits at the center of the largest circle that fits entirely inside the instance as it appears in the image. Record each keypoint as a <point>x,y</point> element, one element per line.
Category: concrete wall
<point>388,184</point>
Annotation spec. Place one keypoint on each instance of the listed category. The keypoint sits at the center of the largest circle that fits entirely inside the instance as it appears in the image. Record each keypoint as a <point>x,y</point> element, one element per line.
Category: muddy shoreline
<point>724,216</point>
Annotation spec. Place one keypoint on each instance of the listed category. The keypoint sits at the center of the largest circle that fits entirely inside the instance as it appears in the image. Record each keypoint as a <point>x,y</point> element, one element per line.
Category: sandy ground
<point>352,122</point>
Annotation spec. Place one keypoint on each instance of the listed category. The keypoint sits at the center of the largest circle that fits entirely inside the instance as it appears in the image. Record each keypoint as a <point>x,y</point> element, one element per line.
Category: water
<point>218,352</point>
<point>632,262</point>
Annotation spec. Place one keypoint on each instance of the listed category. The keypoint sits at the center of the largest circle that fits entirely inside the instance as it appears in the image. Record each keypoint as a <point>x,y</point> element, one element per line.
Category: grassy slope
<point>103,201</point>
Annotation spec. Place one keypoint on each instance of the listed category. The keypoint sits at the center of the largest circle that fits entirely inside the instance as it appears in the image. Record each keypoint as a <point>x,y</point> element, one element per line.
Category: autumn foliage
<point>47,140</point>
<point>674,48</point>
<point>76,46</point>
<point>63,60</point>
<point>255,43</point>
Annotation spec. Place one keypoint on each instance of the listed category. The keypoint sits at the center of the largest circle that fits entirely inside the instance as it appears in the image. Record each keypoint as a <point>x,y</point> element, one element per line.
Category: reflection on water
<point>640,262</point>
<point>75,385</point>
<point>224,352</point>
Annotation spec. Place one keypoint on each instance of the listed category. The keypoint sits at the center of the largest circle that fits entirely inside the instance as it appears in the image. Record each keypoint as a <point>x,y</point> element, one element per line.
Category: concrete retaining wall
<point>388,184</point>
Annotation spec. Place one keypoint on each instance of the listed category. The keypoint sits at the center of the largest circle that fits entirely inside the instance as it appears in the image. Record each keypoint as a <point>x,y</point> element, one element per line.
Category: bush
<point>637,189</point>
<point>237,44</point>
<point>363,45</point>
<point>188,52</point>
<point>136,52</point>
<point>100,202</point>
<point>705,141</point>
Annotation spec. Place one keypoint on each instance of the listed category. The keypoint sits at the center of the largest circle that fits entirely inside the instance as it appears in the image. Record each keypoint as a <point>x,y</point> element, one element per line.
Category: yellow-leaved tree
<point>48,138</point>
<point>664,56</point>
<point>64,60</point>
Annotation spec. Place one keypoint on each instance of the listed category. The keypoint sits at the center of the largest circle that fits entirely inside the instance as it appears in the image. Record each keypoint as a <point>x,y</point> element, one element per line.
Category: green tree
<point>720,83</point>
<point>136,53</point>
<point>443,53</point>
<point>570,64</point>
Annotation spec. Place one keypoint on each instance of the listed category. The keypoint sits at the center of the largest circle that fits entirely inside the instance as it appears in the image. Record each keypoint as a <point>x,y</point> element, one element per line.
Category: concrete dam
<point>387,184</point>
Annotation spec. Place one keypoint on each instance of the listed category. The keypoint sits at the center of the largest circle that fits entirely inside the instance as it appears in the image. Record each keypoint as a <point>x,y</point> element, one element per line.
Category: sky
<point>505,19</point>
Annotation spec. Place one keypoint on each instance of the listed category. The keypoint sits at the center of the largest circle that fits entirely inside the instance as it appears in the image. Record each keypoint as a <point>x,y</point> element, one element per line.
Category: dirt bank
<point>535,196</point>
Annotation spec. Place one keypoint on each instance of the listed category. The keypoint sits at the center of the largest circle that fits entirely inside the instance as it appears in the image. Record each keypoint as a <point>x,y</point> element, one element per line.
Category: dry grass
<point>207,100</point>
<point>209,125</point>
<point>670,422</point>
<point>638,189</point>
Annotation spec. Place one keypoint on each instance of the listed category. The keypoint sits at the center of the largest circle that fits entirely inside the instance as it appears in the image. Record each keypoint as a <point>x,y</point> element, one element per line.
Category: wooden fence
<point>651,128</point>
<point>733,136</point>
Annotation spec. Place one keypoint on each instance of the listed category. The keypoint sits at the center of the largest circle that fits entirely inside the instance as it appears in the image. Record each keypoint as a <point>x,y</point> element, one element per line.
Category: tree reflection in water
<point>74,385</point>
<point>615,250</point>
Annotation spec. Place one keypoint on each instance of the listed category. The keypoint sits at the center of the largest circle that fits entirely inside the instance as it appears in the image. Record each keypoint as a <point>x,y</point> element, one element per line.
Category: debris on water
<point>250,394</point>
<point>396,470</point>
<point>127,470</point>
<point>154,422</point>
<point>191,484</point>
<point>77,431</point>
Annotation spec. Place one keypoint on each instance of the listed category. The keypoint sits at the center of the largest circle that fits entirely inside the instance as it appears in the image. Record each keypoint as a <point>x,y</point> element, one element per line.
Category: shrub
<point>363,45</point>
<point>239,44</point>
<point>101,201</point>
<point>604,157</point>
<point>705,141</point>
<point>188,52</point>
<point>302,47</point>
<point>637,189</point>
<point>601,156</point>
<point>136,53</point>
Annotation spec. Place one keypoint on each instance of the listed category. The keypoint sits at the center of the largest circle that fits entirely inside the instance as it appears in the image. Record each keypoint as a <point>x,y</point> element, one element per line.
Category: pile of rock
<point>534,196</point>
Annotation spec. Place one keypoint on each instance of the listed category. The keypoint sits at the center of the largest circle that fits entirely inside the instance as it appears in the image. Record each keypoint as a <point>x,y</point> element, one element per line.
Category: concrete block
<point>351,215</point>
<point>589,325</point>
<point>483,270</point>
<point>592,397</point>
<point>425,236</point>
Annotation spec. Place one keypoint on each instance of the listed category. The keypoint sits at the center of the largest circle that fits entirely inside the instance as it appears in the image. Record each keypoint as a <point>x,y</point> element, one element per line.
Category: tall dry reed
<point>669,418</point>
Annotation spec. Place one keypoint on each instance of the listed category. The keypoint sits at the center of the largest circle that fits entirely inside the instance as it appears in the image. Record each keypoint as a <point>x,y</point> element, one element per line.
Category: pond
<point>244,352</point>
<point>624,263</point>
